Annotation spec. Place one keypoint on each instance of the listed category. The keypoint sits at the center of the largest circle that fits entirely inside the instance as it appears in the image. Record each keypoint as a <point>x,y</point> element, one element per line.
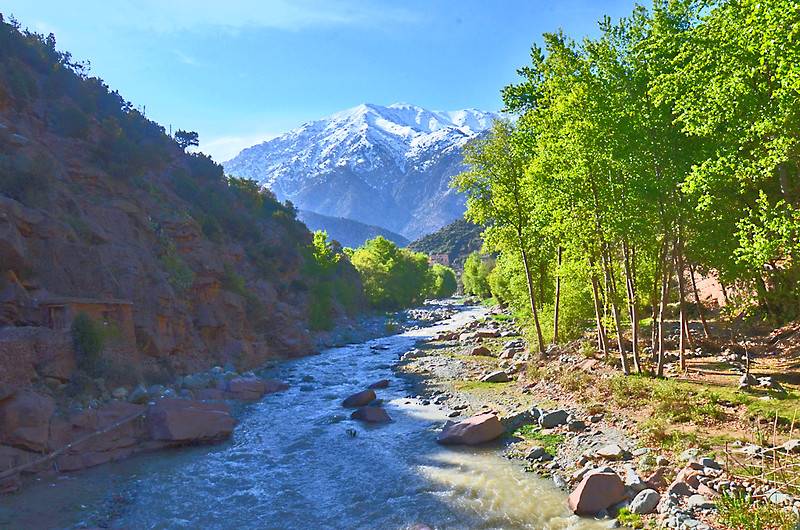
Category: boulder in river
<point>383,383</point>
<point>597,491</point>
<point>359,399</point>
<point>472,431</point>
<point>371,415</point>
<point>182,421</point>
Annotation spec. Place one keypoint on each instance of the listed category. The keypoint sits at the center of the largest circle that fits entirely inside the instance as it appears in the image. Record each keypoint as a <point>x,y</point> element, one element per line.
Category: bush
<point>88,342</point>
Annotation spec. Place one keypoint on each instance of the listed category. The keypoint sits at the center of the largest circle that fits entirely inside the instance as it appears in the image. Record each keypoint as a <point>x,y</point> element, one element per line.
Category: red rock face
<point>472,431</point>
<point>25,420</point>
<point>180,421</point>
<point>597,491</point>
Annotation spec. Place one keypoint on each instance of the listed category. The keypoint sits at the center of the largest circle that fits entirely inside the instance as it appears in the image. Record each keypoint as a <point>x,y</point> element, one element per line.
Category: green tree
<point>186,138</point>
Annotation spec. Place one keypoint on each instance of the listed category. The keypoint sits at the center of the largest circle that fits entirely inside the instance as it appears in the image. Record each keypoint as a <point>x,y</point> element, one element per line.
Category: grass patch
<point>741,511</point>
<point>630,519</point>
<point>550,442</point>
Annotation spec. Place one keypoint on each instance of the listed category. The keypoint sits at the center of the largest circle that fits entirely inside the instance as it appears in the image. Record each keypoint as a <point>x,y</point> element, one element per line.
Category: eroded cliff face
<point>76,224</point>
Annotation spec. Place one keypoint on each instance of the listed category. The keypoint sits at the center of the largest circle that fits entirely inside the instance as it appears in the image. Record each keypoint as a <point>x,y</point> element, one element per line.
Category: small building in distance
<point>441,259</point>
<point>60,312</point>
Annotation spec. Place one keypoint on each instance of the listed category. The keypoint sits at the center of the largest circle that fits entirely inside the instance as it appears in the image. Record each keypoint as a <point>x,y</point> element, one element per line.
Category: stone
<point>576,426</point>
<point>480,350</point>
<point>656,479</point>
<point>689,454</point>
<point>119,393</point>
<point>359,399</point>
<point>596,492</point>
<point>371,415</point>
<point>383,383</point>
<point>553,419</point>
<point>179,421</point>
<point>496,377</point>
<point>779,498</point>
<point>209,394</point>
<point>645,501</point>
<point>633,480</point>
<point>253,388</point>
<point>662,461</point>
<point>487,333</point>
<point>156,390</point>
<point>25,420</point>
<point>535,452</point>
<point>700,502</point>
<point>472,431</point>
<point>792,446</point>
<point>139,396</point>
<point>709,462</point>
<point>611,452</point>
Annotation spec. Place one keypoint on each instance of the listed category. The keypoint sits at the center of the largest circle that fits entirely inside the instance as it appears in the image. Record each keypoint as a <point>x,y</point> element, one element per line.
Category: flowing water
<point>296,460</point>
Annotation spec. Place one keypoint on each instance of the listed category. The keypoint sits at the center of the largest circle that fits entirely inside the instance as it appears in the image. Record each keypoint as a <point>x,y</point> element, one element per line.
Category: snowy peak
<point>328,166</point>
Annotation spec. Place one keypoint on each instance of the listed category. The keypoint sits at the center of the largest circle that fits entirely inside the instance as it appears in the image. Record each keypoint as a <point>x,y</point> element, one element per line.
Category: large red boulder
<point>25,420</point>
<point>597,491</point>
<point>359,399</point>
<point>181,421</point>
<point>472,431</point>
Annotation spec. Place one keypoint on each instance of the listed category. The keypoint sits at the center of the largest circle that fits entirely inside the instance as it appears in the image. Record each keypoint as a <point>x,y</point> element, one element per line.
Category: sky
<point>241,72</point>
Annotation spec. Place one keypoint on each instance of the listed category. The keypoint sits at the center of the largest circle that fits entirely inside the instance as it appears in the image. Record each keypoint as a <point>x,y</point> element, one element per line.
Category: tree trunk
<point>558,298</point>
<point>700,309</point>
<point>681,304</point>
<point>658,279</point>
<point>532,297</point>
<point>602,338</point>
<point>612,295</point>
<point>662,313</point>
<point>630,285</point>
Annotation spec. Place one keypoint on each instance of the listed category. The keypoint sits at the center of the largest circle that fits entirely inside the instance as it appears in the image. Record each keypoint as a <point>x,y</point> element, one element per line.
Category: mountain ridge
<point>384,166</point>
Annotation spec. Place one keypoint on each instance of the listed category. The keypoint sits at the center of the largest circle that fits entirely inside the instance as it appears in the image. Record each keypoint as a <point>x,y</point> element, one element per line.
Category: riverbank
<point>566,419</point>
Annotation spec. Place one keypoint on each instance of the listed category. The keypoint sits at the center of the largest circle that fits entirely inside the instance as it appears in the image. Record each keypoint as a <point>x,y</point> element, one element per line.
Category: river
<point>296,460</point>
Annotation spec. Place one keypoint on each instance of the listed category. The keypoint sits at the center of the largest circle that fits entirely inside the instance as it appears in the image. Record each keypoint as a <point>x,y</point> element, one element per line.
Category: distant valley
<point>387,167</point>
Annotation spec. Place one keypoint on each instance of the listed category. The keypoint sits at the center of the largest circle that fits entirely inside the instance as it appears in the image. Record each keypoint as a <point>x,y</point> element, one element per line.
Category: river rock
<point>645,501</point>
<point>633,480</point>
<point>371,415</point>
<point>472,431</point>
<point>597,491</point>
<point>25,419</point>
<point>700,502</point>
<point>253,388</point>
<point>383,383</point>
<point>359,399</point>
<point>181,421</point>
<point>553,419</point>
<point>480,350</point>
<point>496,377</point>
<point>535,452</point>
<point>139,395</point>
<point>611,452</point>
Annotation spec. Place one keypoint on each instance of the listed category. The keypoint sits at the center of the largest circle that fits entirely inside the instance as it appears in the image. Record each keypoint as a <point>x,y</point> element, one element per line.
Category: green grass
<point>629,519</point>
<point>741,512</point>
<point>550,442</point>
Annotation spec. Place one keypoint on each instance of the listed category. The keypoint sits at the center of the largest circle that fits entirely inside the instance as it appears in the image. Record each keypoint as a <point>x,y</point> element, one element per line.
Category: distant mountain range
<point>388,167</point>
<point>346,231</point>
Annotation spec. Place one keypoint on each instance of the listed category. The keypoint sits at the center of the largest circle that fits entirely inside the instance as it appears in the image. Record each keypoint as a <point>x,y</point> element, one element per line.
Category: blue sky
<point>243,71</point>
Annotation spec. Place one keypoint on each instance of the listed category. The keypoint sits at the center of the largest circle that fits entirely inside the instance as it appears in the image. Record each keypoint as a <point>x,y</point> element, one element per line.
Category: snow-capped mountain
<point>384,166</point>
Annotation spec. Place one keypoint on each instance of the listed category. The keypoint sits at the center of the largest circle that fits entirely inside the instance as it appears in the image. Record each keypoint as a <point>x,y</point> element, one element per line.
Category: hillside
<point>102,211</point>
<point>346,231</point>
<point>458,240</point>
<point>383,166</point>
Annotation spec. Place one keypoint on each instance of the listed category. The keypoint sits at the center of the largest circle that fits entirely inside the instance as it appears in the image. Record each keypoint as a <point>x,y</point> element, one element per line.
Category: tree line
<point>666,146</point>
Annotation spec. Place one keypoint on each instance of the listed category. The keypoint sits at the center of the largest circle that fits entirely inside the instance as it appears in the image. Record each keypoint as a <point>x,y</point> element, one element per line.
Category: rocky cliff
<point>102,212</point>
